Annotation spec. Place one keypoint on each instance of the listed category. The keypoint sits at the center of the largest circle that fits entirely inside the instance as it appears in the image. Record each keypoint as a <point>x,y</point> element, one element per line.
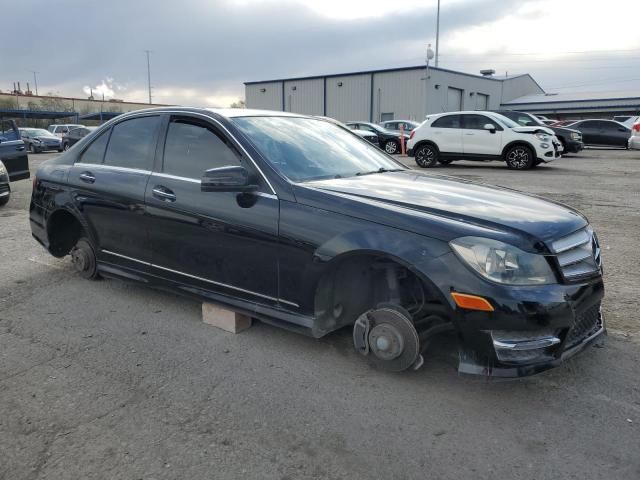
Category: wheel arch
<point>64,229</point>
<point>514,143</point>
<point>365,271</point>
<point>426,142</point>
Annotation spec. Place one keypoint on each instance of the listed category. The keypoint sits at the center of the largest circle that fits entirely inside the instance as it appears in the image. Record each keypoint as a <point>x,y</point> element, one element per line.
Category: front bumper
<point>573,146</point>
<point>532,328</point>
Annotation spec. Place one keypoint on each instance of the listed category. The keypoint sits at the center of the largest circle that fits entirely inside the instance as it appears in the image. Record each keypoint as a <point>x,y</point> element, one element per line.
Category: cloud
<point>204,50</point>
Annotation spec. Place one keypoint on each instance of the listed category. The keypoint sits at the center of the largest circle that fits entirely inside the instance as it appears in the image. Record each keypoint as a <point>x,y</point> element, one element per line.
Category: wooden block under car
<point>227,320</point>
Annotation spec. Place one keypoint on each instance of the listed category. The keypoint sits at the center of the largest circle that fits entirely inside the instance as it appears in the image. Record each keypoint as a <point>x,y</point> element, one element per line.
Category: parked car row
<point>481,135</point>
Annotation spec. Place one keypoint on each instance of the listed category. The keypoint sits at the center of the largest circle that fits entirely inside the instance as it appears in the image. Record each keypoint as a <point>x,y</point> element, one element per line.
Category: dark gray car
<point>40,140</point>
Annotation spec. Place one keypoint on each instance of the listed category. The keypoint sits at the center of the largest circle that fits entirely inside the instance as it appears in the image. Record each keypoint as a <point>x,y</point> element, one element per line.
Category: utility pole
<point>428,58</point>
<point>35,82</point>
<point>148,52</point>
<point>437,33</point>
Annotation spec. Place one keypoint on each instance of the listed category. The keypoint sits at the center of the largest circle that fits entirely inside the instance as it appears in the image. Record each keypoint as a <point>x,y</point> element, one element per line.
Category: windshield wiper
<point>380,170</point>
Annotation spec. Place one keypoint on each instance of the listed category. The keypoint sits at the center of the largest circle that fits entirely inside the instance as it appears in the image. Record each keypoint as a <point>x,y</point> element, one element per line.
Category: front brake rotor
<point>388,338</point>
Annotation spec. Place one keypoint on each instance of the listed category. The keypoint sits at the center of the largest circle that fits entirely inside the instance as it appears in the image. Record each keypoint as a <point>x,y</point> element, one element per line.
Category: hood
<point>495,208</point>
<point>533,130</point>
<point>47,139</point>
<point>566,130</point>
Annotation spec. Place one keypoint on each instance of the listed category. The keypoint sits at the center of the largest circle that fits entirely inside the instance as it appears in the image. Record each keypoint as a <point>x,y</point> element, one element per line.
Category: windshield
<point>506,122</point>
<point>38,132</point>
<point>305,149</point>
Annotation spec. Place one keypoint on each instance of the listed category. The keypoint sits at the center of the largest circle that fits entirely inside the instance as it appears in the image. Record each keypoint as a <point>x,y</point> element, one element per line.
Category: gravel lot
<point>107,380</point>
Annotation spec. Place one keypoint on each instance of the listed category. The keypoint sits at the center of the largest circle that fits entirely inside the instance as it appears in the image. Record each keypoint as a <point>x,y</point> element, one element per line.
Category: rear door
<point>614,134</point>
<point>478,141</point>
<point>109,180</point>
<point>12,151</point>
<point>446,132</point>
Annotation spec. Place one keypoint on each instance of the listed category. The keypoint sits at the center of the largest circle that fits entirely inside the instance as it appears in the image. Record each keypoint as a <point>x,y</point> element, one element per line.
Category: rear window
<point>448,121</point>
<point>132,143</point>
<point>95,152</point>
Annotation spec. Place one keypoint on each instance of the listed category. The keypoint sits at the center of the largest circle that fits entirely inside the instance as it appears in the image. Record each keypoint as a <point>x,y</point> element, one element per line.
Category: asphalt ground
<point>111,380</point>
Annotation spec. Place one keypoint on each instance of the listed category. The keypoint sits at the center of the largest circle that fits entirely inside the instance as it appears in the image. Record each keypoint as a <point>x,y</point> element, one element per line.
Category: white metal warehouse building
<point>379,95</point>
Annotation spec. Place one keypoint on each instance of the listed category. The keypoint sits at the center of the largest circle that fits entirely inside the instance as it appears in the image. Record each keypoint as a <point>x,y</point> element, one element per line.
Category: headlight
<point>3,169</point>
<point>503,263</point>
<point>576,136</point>
<point>543,136</point>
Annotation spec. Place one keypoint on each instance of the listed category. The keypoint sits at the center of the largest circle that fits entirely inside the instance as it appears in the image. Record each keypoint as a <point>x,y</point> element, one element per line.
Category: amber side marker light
<point>472,302</point>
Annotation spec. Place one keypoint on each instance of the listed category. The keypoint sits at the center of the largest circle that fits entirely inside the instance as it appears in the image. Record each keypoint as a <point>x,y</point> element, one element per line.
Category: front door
<point>478,141</point>
<point>221,241</point>
<point>109,180</point>
<point>12,151</point>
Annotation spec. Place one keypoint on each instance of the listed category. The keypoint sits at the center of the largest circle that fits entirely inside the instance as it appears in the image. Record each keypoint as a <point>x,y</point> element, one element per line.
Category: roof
<point>249,112</point>
<point>369,72</point>
<point>576,97</point>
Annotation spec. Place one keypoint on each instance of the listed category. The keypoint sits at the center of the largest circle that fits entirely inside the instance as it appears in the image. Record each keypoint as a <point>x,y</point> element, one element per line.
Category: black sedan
<point>603,133</point>
<point>570,138</point>
<point>388,140</point>
<point>295,221</point>
<point>14,163</point>
<point>74,136</point>
<point>40,140</point>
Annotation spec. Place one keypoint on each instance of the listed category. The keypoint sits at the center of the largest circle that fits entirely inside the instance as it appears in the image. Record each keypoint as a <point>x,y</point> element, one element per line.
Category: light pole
<point>437,32</point>
<point>429,57</point>
<point>148,52</point>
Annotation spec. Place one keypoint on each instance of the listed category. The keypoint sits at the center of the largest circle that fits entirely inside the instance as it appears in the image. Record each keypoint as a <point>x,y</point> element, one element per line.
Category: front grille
<point>586,325</point>
<point>578,254</point>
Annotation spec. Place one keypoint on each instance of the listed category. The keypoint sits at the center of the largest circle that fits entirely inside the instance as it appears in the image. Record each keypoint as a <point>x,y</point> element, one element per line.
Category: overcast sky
<point>203,50</point>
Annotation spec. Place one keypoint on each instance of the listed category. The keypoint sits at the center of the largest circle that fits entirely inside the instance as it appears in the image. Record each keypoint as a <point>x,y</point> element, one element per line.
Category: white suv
<point>60,130</point>
<point>481,136</point>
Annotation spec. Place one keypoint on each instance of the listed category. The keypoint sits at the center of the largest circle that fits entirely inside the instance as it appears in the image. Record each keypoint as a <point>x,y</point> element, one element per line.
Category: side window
<point>448,121</point>
<point>477,122</point>
<point>589,124</point>
<point>191,147</point>
<point>367,128</point>
<point>132,143</point>
<point>7,132</point>
<point>95,152</point>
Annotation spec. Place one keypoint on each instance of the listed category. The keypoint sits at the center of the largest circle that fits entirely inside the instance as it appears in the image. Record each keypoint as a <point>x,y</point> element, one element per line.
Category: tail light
<point>636,127</point>
<point>34,183</point>
<point>413,132</point>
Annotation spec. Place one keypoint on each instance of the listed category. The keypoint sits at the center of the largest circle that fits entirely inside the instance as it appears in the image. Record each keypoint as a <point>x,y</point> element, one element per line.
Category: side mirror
<point>620,129</point>
<point>227,179</point>
<point>490,127</point>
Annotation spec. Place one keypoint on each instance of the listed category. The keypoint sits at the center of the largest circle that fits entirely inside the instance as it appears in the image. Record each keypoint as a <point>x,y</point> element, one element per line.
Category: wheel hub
<point>386,342</point>
<point>388,338</point>
<point>80,259</point>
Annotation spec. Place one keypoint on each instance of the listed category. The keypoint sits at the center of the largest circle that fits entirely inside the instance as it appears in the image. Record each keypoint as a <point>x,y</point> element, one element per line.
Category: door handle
<point>163,193</point>
<point>87,177</point>
<point>20,148</point>
<point>469,133</point>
